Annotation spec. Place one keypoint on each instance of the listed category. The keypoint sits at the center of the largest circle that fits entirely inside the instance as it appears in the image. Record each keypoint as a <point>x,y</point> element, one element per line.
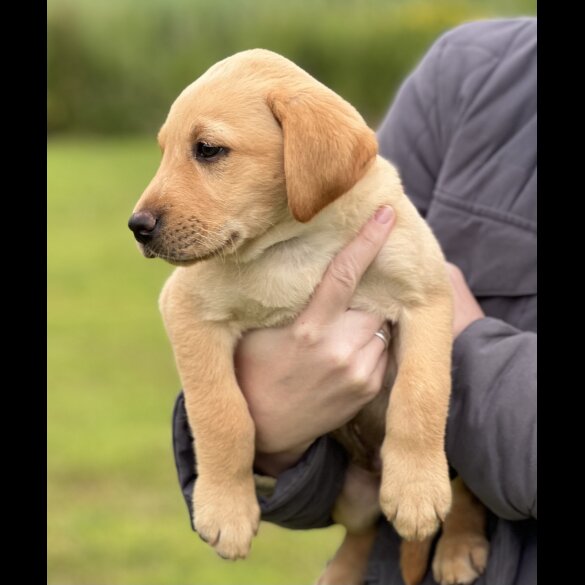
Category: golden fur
<point>252,233</point>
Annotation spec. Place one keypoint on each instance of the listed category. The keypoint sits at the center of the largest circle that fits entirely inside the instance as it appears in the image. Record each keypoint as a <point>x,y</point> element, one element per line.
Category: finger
<point>378,373</point>
<point>381,338</point>
<point>333,295</point>
<point>373,353</point>
<point>383,335</point>
<point>356,327</point>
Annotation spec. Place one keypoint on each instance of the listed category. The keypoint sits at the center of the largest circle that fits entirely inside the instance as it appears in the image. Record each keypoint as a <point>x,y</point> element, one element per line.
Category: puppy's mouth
<point>182,258</point>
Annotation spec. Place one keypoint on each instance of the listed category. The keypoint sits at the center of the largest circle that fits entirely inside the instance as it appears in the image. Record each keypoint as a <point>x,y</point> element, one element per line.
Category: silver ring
<point>382,335</point>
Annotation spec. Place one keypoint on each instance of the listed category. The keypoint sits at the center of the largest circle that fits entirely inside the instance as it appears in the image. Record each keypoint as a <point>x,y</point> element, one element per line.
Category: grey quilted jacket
<point>462,132</point>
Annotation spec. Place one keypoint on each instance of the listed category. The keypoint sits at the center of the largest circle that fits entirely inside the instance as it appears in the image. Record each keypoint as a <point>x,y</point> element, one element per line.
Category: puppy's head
<point>250,142</point>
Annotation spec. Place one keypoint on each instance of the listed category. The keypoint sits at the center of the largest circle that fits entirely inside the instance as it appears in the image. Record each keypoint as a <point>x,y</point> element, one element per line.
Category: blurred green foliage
<point>116,66</point>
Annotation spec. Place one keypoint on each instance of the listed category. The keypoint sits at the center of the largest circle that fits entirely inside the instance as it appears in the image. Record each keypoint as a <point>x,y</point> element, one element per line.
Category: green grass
<point>115,513</point>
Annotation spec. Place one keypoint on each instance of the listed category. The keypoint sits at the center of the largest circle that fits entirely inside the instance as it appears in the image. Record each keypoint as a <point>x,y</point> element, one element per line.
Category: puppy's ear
<point>327,147</point>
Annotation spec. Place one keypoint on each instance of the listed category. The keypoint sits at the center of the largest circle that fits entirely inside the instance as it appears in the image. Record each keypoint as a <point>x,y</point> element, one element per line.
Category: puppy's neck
<point>342,218</point>
<point>285,230</point>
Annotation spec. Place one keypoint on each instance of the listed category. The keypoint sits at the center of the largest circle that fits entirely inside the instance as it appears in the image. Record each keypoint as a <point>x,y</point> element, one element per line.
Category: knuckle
<point>370,390</point>
<point>344,272</point>
<point>305,333</point>
<point>338,358</point>
<point>358,378</point>
<point>369,238</point>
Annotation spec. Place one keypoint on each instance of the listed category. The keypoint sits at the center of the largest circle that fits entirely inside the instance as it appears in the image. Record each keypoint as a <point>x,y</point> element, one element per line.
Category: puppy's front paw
<point>460,558</point>
<point>227,518</point>
<point>415,494</point>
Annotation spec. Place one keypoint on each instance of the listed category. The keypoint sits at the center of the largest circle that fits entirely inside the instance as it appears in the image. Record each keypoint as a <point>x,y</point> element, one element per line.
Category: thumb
<point>334,293</point>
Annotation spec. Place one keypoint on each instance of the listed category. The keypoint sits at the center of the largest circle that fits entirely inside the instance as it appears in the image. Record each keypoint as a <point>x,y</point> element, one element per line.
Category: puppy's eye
<point>205,151</point>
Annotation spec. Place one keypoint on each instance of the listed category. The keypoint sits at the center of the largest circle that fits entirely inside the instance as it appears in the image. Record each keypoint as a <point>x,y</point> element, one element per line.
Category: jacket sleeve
<point>491,432</point>
<point>302,497</point>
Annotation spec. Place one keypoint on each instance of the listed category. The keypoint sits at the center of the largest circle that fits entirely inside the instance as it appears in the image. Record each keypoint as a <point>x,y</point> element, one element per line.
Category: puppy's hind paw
<point>460,559</point>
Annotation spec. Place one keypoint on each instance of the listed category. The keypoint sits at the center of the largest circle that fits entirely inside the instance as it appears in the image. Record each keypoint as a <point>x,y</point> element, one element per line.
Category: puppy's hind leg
<point>348,566</point>
<point>357,508</point>
<point>462,550</point>
<point>414,559</point>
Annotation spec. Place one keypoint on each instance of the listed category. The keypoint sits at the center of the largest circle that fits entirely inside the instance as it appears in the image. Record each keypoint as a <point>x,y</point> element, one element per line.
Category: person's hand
<point>311,377</point>
<point>466,309</point>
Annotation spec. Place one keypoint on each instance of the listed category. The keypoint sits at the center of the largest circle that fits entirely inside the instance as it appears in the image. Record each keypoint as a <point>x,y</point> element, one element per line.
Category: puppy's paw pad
<point>460,559</point>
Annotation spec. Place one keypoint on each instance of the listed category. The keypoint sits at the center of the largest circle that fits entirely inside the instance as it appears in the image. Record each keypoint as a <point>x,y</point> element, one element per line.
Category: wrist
<point>273,464</point>
<point>460,327</point>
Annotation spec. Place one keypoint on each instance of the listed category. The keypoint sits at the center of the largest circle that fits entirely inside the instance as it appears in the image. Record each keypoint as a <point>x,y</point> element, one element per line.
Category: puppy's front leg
<point>415,490</point>
<point>226,511</point>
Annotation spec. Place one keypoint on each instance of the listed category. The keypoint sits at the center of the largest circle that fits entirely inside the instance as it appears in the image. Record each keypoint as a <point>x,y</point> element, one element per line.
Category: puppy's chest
<point>265,293</point>
<point>272,295</point>
<point>252,297</point>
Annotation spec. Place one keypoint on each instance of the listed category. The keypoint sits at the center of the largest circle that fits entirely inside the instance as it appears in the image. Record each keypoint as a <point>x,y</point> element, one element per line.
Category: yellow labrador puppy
<point>265,175</point>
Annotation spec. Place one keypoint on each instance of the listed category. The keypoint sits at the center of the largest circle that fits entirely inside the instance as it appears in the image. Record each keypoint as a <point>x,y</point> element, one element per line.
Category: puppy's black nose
<point>143,225</point>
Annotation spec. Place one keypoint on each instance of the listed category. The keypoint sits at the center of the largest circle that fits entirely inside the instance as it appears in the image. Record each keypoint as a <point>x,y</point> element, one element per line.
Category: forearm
<point>491,432</point>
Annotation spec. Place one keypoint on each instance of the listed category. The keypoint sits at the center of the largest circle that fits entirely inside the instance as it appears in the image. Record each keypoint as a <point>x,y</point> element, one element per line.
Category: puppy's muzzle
<point>144,225</point>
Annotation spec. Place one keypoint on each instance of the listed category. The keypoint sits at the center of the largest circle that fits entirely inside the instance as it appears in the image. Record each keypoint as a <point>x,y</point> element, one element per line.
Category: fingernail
<point>384,214</point>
